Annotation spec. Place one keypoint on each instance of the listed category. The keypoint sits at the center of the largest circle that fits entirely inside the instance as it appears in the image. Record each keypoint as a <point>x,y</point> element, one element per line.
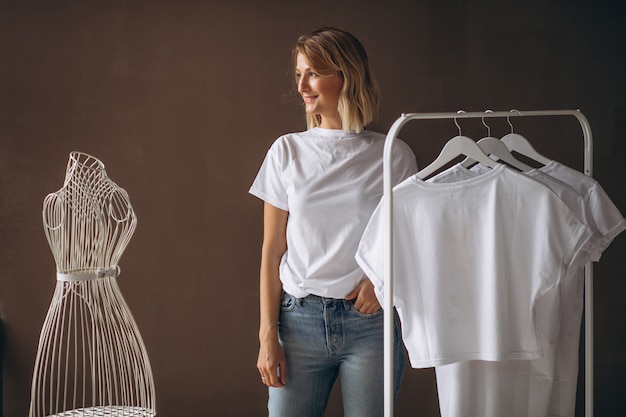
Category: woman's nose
<point>303,84</point>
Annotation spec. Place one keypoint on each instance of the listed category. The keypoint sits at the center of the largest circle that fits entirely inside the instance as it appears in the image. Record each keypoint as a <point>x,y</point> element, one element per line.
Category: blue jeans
<point>324,338</point>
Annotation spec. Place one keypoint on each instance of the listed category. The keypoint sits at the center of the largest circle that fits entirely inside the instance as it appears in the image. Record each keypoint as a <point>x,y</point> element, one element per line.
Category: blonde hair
<point>330,50</point>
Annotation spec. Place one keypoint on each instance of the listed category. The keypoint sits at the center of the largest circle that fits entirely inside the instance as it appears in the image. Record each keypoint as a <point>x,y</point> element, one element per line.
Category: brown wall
<point>182,99</point>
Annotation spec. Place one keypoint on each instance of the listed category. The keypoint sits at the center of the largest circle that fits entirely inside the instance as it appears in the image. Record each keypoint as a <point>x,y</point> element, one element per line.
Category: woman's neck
<point>331,122</point>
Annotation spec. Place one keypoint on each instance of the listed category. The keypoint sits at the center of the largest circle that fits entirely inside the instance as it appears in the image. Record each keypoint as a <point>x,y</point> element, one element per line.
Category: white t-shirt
<point>570,196</point>
<point>546,386</point>
<point>609,223</point>
<point>330,183</point>
<point>463,253</point>
<point>608,219</point>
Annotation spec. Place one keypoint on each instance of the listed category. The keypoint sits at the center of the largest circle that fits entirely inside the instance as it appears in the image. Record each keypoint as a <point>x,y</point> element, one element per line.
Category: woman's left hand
<point>365,298</point>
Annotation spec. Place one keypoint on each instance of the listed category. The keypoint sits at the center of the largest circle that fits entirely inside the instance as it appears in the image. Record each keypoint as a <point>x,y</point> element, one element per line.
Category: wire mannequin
<point>91,359</point>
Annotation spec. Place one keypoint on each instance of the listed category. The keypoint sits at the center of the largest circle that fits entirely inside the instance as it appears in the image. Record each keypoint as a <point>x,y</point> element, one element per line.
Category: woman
<point>320,318</point>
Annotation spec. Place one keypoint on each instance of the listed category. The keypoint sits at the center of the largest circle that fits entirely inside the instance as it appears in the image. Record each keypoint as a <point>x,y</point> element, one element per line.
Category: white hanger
<point>457,146</point>
<point>494,147</point>
<point>518,143</point>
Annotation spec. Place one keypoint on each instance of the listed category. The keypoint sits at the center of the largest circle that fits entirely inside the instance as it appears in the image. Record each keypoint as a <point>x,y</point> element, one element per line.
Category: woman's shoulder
<point>288,144</point>
<point>399,145</point>
<point>291,136</point>
<point>286,139</point>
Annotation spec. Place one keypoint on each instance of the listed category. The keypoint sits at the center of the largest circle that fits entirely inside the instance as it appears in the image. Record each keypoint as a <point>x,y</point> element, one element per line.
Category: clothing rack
<point>388,214</point>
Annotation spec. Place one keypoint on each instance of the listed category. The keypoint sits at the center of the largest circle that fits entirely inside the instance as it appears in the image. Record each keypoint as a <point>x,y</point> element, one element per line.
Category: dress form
<point>91,359</point>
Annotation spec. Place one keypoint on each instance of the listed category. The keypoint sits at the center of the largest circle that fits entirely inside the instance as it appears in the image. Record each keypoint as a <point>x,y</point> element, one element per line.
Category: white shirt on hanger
<point>463,253</point>
<point>546,386</point>
<point>609,223</point>
<point>608,219</point>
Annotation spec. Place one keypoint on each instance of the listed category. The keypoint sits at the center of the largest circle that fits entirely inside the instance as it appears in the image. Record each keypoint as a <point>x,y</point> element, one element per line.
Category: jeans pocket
<point>288,302</point>
<point>364,315</point>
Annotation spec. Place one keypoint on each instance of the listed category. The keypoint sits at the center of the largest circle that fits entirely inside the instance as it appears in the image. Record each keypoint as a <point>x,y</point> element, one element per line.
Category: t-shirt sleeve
<point>607,217</point>
<point>268,184</point>
<point>404,163</point>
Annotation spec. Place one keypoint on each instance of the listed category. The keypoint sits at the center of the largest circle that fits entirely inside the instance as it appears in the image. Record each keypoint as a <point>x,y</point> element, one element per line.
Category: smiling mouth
<point>308,99</point>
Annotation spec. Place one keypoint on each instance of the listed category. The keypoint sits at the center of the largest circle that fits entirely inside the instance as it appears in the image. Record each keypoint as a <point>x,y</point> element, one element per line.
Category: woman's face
<point>320,93</point>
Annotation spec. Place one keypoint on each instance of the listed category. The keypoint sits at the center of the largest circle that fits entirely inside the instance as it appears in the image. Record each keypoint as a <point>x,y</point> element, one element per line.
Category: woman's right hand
<point>271,360</point>
<point>271,363</point>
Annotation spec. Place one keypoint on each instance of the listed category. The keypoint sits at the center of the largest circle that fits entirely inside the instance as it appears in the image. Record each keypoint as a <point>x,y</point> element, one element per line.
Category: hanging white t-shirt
<point>609,223</point>
<point>515,388</point>
<point>330,183</point>
<point>546,386</point>
<point>564,191</point>
<point>463,253</point>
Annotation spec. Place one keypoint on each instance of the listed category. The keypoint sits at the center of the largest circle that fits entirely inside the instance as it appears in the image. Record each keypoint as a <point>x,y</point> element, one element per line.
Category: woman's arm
<point>271,360</point>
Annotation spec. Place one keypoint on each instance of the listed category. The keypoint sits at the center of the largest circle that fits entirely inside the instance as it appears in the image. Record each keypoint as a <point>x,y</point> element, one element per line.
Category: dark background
<point>182,99</point>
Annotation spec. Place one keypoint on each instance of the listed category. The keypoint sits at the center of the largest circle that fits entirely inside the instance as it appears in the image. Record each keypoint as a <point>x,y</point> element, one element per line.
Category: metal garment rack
<point>388,213</point>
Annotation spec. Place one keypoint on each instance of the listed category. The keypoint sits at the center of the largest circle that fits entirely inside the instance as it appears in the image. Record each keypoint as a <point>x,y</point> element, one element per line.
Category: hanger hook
<point>457,123</point>
<point>485,124</point>
<point>508,120</point>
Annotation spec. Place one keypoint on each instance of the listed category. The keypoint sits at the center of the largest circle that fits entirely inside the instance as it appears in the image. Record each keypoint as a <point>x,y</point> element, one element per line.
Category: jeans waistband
<point>325,300</point>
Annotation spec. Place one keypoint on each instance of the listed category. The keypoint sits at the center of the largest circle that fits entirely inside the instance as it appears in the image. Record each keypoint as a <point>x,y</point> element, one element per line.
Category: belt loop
<point>347,305</point>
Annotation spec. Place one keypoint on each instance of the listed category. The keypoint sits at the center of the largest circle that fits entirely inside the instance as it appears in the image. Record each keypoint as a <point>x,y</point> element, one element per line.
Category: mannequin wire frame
<point>91,360</point>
